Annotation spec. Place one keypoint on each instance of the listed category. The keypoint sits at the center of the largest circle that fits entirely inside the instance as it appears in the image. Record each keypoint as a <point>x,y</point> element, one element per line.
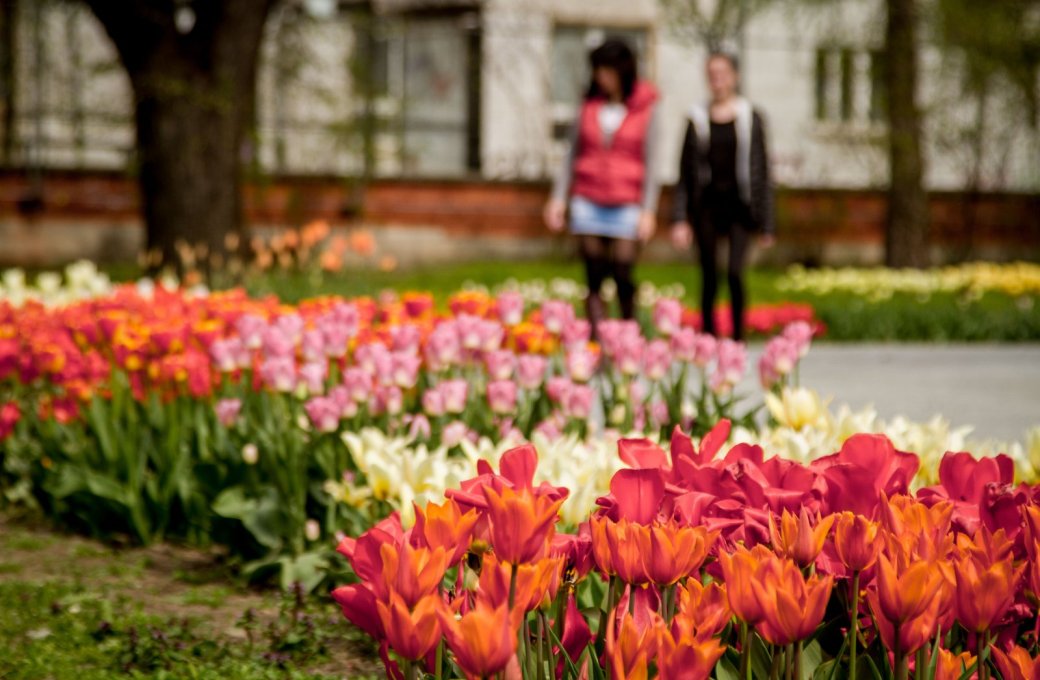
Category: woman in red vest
<point>608,176</point>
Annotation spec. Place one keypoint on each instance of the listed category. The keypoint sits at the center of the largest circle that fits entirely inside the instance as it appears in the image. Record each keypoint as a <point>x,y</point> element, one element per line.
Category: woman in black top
<point>724,188</point>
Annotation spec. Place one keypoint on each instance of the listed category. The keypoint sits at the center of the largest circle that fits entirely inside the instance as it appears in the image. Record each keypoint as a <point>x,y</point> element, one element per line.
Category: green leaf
<point>812,657</point>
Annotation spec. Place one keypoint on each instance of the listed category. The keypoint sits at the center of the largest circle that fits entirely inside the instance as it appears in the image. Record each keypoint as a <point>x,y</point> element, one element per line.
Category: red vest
<point>613,175</point>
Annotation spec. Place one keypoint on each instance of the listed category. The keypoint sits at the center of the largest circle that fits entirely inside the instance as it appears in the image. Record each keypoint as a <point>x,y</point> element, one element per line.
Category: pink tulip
<point>558,388</point>
<point>500,364</point>
<point>732,363</point>
<point>454,433</point>
<point>389,399</point>
<point>374,359</point>
<point>576,333</point>
<point>470,331</point>
<point>336,335</point>
<point>668,316</point>
<point>313,345</point>
<point>228,410</point>
<point>340,395</point>
<point>454,393</point>
<point>419,427</point>
<point>313,376</point>
<point>578,402</point>
<point>581,364</point>
<point>556,314</point>
<point>251,329</point>
<point>659,413</point>
<point>657,359</point>
<point>800,333</point>
<point>443,348</point>
<point>291,325</point>
<point>629,354</point>
<point>279,373</point>
<point>278,343</point>
<point>530,371</point>
<point>501,395</point>
<point>510,308</point>
<point>347,316</point>
<point>405,369</point>
<point>323,412</point>
<point>229,354</point>
<point>683,343</point>
<point>492,334</point>
<point>433,402</point>
<point>359,383</point>
<point>404,338</point>
<point>704,349</point>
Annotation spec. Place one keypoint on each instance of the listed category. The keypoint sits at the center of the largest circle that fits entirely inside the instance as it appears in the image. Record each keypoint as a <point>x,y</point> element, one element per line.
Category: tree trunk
<point>8,88</point>
<point>906,231</point>
<point>194,95</point>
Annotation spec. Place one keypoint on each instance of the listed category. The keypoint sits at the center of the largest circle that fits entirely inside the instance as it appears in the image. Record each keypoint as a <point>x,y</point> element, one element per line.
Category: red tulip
<point>445,526</point>
<point>1016,664</point>
<point>413,573</point>
<point>676,552</point>
<point>792,606</point>
<point>483,639</point>
<point>628,649</point>
<point>740,570</point>
<point>533,582</point>
<point>685,658</point>
<point>984,591</point>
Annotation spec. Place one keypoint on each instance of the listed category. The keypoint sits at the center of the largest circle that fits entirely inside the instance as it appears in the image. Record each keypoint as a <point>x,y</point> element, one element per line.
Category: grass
<point>73,608</point>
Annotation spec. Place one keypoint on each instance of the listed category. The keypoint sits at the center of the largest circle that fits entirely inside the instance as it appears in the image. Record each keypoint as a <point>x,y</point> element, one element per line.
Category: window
<point>569,72</point>
<point>849,85</point>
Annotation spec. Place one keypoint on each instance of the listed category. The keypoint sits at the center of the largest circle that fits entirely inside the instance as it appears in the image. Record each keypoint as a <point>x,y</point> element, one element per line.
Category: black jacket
<point>695,175</point>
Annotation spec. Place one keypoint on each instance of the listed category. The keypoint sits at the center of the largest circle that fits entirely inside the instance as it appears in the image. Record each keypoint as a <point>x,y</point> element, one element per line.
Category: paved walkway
<point>995,388</point>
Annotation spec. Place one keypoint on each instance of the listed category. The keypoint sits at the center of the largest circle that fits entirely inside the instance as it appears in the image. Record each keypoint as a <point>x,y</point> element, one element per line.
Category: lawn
<point>75,608</point>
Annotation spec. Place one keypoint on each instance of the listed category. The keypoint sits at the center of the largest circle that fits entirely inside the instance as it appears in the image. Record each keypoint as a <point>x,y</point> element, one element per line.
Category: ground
<point>75,608</point>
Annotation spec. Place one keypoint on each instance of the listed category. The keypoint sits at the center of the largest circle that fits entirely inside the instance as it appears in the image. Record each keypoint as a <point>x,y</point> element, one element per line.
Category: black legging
<point>724,215</point>
<point>608,258</point>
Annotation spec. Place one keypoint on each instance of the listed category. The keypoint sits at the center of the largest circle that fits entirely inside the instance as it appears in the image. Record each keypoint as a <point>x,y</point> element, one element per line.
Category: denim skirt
<point>612,221</point>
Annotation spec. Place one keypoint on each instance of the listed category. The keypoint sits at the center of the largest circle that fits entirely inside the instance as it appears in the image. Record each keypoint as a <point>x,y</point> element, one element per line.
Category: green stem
<point>854,626</point>
<point>745,652</point>
<point>410,671</point>
<point>774,666</point>
<point>539,648</point>
<point>902,665</point>
<point>549,646</point>
<point>439,662</point>
<point>983,654</point>
<point>790,661</point>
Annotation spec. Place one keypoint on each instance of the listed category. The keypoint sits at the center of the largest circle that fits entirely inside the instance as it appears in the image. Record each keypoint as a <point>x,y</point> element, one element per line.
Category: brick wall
<point>66,215</point>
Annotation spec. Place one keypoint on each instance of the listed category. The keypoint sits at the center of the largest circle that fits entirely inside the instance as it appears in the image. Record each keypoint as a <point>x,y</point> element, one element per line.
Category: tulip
<point>857,541</point>
<point>628,649</point>
<point>797,539</point>
<point>501,396</point>
<point>510,308</point>
<point>792,606</point>
<point>685,658</point>
<point>445,526</point>
<point>676,552</point>
<point>950,666</point>
<point>521,523</point>
<point>703,610</point>
<point>413,573</point>
<point>227,411</point>
<point>483,640</point>
<point>667,316</point>
<point>740,569</point>
<point>906,605</point>
<point>413,633</point>
<point>530,371</point>
<point>1016,664</point>
<point>531,587</point>
<point>984,591</point>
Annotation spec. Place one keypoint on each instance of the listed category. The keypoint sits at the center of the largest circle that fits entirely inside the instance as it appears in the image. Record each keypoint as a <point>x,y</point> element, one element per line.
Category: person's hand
<point>766,240</point>
<point>682,235</point>
<point>647,226</point>
<point>553,214</point>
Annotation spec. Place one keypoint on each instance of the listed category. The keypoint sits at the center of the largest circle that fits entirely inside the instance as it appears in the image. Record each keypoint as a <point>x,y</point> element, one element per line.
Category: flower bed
<point>699,562</point>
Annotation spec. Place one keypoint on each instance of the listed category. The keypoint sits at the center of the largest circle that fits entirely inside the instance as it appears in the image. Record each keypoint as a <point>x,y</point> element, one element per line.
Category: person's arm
<point>687,175</point>
<point>564,174</point>
<point>651,154</point>
<point>556,209</point>
<point>763,179</point>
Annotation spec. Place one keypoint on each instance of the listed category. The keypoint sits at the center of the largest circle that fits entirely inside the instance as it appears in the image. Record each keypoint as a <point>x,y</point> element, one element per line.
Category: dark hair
<point>614,54</point>
<point>734,60</point>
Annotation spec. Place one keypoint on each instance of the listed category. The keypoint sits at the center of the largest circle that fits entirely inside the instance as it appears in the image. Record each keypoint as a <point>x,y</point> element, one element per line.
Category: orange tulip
<point>412,633</point>
<point>986,546</point>
<point>521,524</point>
<point>628,649</point>
<point>685,658</point>
<point>923,531</point>
<point>906,602</point>
<point>984,592</point>
<point>857,541</point>
<point>703,610</point>
<point>413,573</point>
<point>797,538</point>
<point>676,552</point>
<point>950,666</point>
<point>1016,664</point>
<point>739,570</point>
<point>601,545</point>
<point>792,607</point>
<point>483,640</point>
<point>622,545</point>
<point>533,582</point>
<point>445,526</point>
